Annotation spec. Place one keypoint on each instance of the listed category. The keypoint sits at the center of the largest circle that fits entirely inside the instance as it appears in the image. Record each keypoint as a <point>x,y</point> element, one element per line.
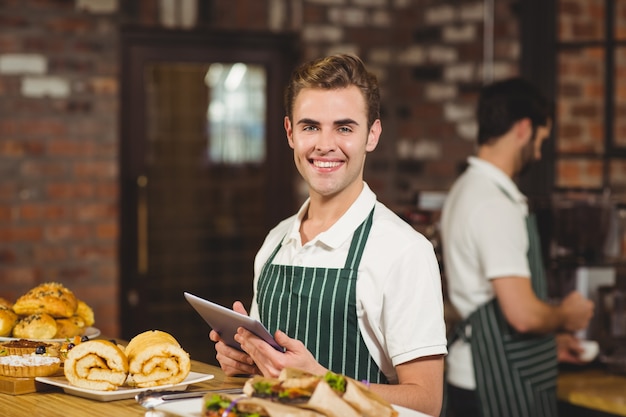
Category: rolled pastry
<point>156,358</point>
<point>97,365</point>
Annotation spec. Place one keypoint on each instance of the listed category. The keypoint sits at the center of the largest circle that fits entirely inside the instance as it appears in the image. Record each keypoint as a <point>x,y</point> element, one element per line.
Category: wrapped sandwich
<point>333,394</point>
<point>220,405</point>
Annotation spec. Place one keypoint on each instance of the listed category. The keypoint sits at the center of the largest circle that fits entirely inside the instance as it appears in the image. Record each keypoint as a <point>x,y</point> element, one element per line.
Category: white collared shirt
<point>399,299</point>
<point>484,236</point>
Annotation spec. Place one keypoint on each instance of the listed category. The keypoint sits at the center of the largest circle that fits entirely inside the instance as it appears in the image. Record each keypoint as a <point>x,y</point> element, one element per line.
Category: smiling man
<point>344,284</point>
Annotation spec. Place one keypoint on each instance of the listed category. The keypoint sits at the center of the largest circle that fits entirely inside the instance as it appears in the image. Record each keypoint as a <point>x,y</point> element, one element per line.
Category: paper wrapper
<point>357,401</point>
<point>96,364</point>
<point>265,408</point>
<point>155,358</point>
<point>366,402</point>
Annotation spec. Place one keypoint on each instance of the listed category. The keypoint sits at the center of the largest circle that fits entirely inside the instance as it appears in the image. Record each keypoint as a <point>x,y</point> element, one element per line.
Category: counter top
<point>593,388</point>
<point>55,403</point>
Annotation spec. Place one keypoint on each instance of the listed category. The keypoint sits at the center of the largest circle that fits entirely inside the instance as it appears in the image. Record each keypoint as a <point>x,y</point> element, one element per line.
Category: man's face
<point>531,152</point>
<point>330,138</point>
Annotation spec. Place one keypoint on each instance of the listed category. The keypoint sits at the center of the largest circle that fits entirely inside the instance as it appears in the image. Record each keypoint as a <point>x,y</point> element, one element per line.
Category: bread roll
<point>96,364</point>
<point>85,312</point>
<point>155,358</point>
<point>51,298</point>
<point>8,319</point>
<point>69,327</point>
<point>5,303</point>
<point>35,326</point>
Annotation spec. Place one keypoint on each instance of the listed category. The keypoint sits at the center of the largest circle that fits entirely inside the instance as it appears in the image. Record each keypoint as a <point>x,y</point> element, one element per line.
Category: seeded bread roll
<point>70,327</point>
<point>96,364</point>
<point>8,319</point>
<point>155,358</point>
<point>35,326</point>
<point>51,298</point>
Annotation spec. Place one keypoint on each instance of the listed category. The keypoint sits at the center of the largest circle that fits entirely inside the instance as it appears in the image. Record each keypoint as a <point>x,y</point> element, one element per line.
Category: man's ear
<point>523,131</point>
<point>373,136</point>
<point>288,131</point>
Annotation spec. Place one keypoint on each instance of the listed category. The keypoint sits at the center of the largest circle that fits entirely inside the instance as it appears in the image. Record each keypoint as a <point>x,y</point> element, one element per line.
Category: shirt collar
<point>499,177</point>
<point>342,229</point>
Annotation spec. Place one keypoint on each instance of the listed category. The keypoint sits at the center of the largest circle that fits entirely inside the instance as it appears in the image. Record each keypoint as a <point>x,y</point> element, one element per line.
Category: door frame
<point>278,53</point>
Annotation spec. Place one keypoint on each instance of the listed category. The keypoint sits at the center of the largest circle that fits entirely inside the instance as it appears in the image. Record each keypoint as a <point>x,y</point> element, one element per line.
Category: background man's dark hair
<point>506,102</point>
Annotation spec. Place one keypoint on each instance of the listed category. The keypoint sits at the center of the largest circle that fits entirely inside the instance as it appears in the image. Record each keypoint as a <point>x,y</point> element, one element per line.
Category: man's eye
<point>309,128</point>
<point>345,129</point>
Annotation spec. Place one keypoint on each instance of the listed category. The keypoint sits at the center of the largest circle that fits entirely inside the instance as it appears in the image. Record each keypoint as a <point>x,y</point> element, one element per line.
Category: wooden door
<point>205,172</point>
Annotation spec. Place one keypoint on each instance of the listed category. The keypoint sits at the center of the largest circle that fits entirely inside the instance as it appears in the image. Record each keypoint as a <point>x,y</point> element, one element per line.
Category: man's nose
<point>326,141</point>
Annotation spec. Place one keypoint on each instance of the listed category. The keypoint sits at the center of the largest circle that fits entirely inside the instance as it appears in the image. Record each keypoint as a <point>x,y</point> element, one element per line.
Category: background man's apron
<point>515,373</point>
<point>318,307</point>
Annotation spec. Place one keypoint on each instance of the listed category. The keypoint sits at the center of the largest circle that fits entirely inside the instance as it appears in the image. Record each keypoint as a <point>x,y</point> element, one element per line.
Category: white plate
<point>122,392</point>
<point>90,332</point>
<point>193,408</point>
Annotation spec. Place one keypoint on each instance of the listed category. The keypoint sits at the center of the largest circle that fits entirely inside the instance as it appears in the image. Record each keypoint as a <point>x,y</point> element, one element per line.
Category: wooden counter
<point>593,389</point>
<point>54,402</point>
<point>590,388</point>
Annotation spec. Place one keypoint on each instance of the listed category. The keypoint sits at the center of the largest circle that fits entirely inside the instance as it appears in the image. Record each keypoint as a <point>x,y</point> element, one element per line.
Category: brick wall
<point>58,151</point>
<point>59,105</point>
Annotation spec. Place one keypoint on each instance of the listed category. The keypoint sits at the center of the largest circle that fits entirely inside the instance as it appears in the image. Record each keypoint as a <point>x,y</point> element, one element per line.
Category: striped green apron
<point>515,373</point>
<point>318,307</point>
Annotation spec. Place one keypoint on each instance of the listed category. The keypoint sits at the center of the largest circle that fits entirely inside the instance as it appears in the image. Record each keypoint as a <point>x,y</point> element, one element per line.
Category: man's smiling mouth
<point>326,164</point>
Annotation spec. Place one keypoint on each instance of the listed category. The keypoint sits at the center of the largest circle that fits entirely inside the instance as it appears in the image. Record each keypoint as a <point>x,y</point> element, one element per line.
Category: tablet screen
<point>226,321</point>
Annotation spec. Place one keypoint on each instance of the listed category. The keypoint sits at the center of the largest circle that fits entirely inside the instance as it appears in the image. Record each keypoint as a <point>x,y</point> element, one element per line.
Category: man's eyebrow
<point>306,121</point>
<point>341,122</point>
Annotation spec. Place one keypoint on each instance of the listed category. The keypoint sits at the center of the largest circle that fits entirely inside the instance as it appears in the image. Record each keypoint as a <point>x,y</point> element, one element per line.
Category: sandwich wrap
<point>221,405</point>
<point>333,394</point>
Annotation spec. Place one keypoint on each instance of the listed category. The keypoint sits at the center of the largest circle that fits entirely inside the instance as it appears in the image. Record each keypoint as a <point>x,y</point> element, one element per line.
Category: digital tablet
<point>226,321</point>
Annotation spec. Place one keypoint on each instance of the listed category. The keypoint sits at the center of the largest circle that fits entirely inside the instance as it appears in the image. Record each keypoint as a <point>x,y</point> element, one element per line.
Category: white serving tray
<point>123,392</point>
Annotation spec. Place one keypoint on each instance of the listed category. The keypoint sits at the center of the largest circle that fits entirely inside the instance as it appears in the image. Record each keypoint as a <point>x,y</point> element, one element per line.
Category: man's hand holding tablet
<point>226,322</point>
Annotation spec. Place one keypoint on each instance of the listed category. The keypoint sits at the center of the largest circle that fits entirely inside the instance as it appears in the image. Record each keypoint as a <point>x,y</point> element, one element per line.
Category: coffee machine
<point>584,247</point>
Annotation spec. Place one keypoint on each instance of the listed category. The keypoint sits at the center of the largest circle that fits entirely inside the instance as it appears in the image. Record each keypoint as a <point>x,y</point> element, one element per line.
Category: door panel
<point>205,172</point>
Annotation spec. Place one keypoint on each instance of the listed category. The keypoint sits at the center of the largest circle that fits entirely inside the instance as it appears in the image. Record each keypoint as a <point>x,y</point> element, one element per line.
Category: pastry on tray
<point>7,320</point>
<point>96,364</point>
<point>51,298</point>
<point>85,312</point>
<point>156,358</point>
<point>69,327</point>
<point>35,326</point>
<point>28,366</point>
<point>28,347</point>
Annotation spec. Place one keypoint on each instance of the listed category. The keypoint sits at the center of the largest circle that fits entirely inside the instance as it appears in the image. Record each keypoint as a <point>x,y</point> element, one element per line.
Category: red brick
<point>37,168</point>
<point>67,232</point>
<point>14,233</point>
<point>67,190</point>
<point>25,276</point>
<point>96,211</point>
<point>107,231</point>
<point>6,214</point>
<point>95,253</point>
<point>104,85</point>
<point>50,253</point>
<point>95,169</point>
